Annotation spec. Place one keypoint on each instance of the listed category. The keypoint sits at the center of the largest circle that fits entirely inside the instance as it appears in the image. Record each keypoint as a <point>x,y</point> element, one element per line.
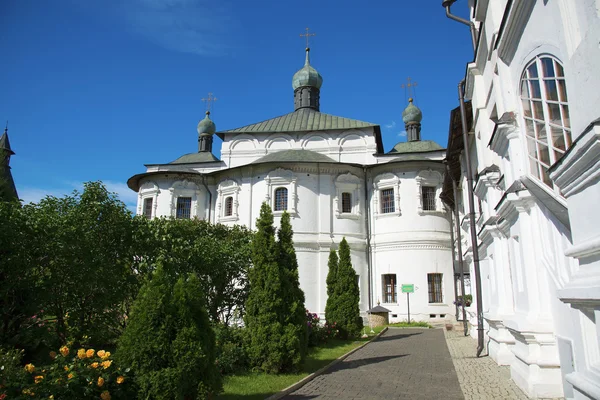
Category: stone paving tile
<point>401,364</point>
<point>480,378</point>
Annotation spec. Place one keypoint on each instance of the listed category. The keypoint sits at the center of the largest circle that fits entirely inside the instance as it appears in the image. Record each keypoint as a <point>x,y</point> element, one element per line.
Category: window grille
<point>229,206</point>
<point>428,198</point>
<point>389,288</point>
<point>281,199</point>
<point>434,283</point>
<point>346,202</point>
<point>148,208</point>
<point>184,207</point>
<point>546,114</point>
<point>387,201</point>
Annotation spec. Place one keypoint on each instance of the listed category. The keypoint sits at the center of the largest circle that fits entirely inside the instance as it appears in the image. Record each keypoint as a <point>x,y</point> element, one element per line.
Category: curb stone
<point>312,376</point>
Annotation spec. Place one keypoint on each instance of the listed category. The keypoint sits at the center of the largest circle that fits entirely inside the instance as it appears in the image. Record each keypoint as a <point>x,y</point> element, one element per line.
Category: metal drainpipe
<point>453,264</point>
<point>446,4</point>
<point>463,117</point>
<point>460,255</point>
<point>209,196</point>
<point>368,227</point>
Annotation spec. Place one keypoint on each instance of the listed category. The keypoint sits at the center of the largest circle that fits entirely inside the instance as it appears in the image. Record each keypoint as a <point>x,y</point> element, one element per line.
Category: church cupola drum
<point>206,130</point>
<point>307,86</point>
<point>412,117</point>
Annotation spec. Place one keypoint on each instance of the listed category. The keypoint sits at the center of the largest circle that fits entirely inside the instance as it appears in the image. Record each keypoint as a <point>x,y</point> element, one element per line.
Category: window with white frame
<point>428,198</point>
<point>346,201</point>
<point>184,208</point>
<point>148,199</point>
<point>387,195</point>
<point>390,289</point>
<point>148,207</point>
<point>281,191</point>
<point>434,285</point>
<point>281,199</point>
<point>546,114</point>
<point>429,186</point>
<point>227,205</point>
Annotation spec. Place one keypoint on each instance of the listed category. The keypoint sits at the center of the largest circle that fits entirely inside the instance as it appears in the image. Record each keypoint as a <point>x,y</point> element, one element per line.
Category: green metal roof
<point>294,156</point>
<point>195,158</point>
<point>417,146</point>
<point>302,120</point>
<point>5,143</point>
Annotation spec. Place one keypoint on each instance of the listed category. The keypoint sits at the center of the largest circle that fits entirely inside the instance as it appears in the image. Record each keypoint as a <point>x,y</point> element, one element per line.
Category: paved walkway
<point>401,364</point>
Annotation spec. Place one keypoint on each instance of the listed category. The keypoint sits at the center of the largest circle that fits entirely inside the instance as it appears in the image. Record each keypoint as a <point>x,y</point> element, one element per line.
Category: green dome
<point>307,76</point>
<point>412,113</point>
<point>206,126</point>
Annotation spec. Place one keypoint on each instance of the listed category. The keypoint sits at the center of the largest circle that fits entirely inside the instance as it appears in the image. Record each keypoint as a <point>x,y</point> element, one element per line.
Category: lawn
<point>257,385</point>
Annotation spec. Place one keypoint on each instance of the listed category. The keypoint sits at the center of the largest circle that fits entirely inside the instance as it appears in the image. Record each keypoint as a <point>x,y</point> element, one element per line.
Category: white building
<point>534,87</point>
<point>334,178</point>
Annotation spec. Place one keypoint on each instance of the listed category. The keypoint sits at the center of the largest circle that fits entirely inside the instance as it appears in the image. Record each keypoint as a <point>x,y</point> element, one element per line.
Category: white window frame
<point>228,188</point>
<point>148,190</point>
<point>434,179</point>
<point>347,183</point>
<point>386,181</point>
<point>532,125</point>
<point>441,288</point>
<point>282,178</point>
<point>383,289</point>
<point>185,188</point>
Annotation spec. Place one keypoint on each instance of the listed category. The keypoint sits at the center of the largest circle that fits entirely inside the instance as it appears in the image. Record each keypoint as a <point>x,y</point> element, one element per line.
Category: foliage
<point>406,324</point>
<point>273,342</point>
<point>293,296</point>
<point>231,354</point>
<point>346,312</point>
<point>81,374</point>
<point>13,377</point>
<point>468,300</point>
<point>319,333</point>
<point>168,342</point>
<point>219,255</point>
<point>332,265</point>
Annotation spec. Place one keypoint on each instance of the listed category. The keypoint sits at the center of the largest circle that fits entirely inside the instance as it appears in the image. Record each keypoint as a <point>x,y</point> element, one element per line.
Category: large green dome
<point>206,126</point>
<point>412,113</point>
<point>307,76</point>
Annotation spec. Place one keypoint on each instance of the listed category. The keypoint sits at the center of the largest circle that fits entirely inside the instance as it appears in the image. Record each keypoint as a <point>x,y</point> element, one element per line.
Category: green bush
<point>169,342</point>
<point>13,378</point>
<point>231,354</point>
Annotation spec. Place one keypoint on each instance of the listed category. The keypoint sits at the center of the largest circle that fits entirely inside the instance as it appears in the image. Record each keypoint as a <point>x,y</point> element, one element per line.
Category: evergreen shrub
<point>231,354</point>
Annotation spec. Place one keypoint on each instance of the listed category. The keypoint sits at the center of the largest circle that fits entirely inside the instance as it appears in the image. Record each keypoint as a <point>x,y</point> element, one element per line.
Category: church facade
<point>332,176</point>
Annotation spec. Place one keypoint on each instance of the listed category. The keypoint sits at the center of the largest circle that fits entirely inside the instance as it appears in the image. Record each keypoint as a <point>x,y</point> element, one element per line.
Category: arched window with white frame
<point>228,206</point>
<point>546,114</point>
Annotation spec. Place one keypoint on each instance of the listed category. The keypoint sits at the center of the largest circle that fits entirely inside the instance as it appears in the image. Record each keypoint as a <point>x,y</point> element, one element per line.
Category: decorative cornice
<point>505,130</point>
<point>512,28</point>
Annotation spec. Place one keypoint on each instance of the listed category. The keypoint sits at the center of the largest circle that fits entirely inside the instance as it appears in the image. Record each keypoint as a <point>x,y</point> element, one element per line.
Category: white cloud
<point>402,134</point>
<point>391,125</point>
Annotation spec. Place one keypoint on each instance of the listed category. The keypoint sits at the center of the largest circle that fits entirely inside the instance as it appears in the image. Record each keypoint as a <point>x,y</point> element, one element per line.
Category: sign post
<point>408,288</point>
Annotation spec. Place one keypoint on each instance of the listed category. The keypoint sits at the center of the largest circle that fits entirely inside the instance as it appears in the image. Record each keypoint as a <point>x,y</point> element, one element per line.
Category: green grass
<point>414,324</point>
<point>256,385</point>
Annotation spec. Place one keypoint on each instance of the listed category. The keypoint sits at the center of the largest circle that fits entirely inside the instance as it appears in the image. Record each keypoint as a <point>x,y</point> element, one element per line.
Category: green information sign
<point>408,288</point>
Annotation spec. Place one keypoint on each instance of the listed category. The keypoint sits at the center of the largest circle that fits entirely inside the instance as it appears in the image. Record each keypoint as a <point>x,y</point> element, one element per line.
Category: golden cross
<point>209,101</point>
<point>307,35</point>
<point>408,85</point>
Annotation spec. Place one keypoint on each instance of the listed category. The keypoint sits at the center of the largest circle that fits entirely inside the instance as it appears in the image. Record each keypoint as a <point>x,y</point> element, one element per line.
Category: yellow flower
<point>30,368</point>
<point>66,368</point>
<point>53,355</point>
<point>105,395</point>
<point>106,355</point>
<point>90,353</point>
<point>64,351</point>
<point>101,353</point>
<point>120,379</point>
<point>100,381</point>
<point>81,353</point>
<point>70,376</point>
<point>51,396</point>
<point>38,379</point>
<point>94,365</point>
<point>106,363</point>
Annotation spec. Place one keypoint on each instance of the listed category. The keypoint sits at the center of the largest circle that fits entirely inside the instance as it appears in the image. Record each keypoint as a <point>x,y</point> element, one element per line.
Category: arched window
<point>546,114</point>
<point>229,206</point>
<point>281,199</point>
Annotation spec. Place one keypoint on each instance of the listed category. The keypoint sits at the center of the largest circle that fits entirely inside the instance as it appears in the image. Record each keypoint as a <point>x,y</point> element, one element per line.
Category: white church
<point>334,178</point>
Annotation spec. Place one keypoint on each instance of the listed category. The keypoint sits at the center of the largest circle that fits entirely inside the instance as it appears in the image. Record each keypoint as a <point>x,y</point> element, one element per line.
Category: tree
<point>168,342</point>
<point>295,318</point>
<point>332,265</point>
<point>273,343</point>
<point>347,296</point>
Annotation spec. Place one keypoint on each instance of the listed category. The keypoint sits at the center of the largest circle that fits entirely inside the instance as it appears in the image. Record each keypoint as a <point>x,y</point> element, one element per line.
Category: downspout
<point>463,117</point>
<point>460,256</point>
<point>447,4</point>
<point>209,196</point>
<point>453,265</point>
<point>368,230</point>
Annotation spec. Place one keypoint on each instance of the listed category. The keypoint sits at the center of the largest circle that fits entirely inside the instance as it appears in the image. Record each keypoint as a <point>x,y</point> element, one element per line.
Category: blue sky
<point>95,89</point>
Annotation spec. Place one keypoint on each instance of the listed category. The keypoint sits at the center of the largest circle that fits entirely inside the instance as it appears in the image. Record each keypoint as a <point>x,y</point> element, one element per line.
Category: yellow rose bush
<point>86,374</point>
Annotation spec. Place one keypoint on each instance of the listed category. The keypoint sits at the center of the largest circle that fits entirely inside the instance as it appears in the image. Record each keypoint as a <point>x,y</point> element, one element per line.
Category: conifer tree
<point>332,264</point>
<point>295,318</point>
<point>347,295</point>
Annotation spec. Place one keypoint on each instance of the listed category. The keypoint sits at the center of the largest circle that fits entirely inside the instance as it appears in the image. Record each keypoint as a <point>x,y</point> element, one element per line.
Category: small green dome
<point>412,113</point>
<point>206,126</point>
<point>307,76</point>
